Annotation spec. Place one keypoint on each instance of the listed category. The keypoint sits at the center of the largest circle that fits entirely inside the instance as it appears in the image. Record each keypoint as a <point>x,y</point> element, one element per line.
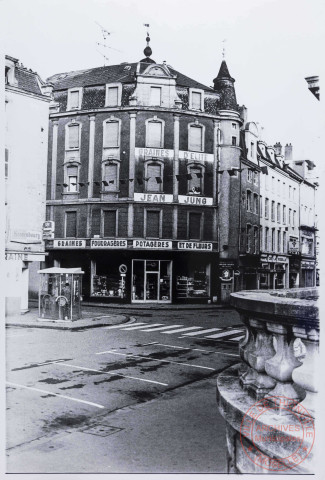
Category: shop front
<point>273,272</point>
<point>143,271</point>
<point>308,273</point>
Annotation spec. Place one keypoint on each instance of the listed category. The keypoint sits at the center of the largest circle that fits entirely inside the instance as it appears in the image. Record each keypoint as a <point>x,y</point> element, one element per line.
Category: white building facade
<point>26,143</point>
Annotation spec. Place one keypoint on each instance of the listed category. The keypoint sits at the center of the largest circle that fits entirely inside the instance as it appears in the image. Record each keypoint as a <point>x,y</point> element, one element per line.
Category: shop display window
<point>151,281</point>
<point>194,284</point>
<point>108,285</point>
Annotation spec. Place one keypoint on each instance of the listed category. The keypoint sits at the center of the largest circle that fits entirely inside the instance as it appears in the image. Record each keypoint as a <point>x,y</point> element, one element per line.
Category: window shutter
<point>110,176</point>
<point>194,230</point>
<point>153,224</point>
<point>110,223</point>
<point>112,96</point>
<point>196,101</point>
<point>195,143</point>
<point>74,136</point>
<point>154,134</point>
<point>71,224</point>
<point>111,134</point>
<point>74,99</point>
<point>155,96</point>
<point>153,171</point>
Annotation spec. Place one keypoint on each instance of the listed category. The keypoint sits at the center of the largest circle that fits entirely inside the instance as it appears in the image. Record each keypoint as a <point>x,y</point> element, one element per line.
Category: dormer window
<point>196,99</point>
<point>74,99</point>
<point>113,95</point>
<point>155,96</point>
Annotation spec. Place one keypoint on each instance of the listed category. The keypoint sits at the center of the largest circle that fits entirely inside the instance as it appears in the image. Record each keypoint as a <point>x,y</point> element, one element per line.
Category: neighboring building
<point>26,143</point>
<point>313,85</point>
<point>161,191</point>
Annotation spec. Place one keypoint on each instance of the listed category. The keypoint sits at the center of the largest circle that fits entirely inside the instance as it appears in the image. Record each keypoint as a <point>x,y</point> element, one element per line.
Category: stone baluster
<point>263,350</point>
<point>246,373</point>
<point>307,352</point>
<point>281,366</point>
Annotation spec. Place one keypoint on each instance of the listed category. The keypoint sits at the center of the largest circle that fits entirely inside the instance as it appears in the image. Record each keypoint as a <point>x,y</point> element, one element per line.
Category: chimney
<point>288,152</point>
<point>243,113</point>
<point>278,148</point>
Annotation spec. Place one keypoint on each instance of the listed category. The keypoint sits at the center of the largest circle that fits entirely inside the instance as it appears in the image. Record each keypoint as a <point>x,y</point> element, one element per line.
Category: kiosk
<point>60,294</point>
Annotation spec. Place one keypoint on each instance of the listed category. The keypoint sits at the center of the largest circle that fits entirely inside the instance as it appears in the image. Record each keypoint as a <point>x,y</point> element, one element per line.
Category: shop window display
<point>195,284</point>
<point>106,285</point>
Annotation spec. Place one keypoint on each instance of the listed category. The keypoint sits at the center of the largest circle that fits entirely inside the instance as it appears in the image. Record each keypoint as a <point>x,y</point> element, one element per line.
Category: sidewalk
<point>31,320</point>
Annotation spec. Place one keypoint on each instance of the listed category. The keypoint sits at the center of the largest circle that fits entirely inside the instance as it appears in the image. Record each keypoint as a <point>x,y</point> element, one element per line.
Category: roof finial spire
<point>147,51</point>
<point>224,48</point>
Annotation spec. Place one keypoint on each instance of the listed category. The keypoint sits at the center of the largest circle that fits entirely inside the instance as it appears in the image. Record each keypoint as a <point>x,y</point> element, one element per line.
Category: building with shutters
<point>26,142</point>
<point>157,187</point>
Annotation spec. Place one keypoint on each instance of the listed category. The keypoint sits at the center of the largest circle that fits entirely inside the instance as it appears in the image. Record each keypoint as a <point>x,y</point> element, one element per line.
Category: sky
<point>270,47</point>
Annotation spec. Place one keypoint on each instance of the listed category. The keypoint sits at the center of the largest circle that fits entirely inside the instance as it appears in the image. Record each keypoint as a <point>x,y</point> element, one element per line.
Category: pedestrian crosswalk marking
<point>192,334</point>
<point>237,338</point>
<point>224,334</point>
<point>156,329</point>
<point>121,325</point>
<point>183,330</point>
<point>136,327</point>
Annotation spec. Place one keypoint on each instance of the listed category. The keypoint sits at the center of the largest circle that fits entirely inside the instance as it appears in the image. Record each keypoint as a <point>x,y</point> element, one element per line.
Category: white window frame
<point>196,124</point>
<point>201,92</point>
<point>119,94</point>
<point>112,119</point>
<point>109,161</point>
<point>157,120</point>
<point>151,104</point>
<point>250,175</point>
<point>68,125</point>
<point>71,90</point>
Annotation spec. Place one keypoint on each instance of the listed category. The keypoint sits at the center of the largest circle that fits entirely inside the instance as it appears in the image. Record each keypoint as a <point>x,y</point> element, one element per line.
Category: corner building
<point>133,184</point>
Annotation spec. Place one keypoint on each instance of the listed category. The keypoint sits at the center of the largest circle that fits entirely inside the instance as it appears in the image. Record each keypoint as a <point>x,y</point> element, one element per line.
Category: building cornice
<point>19,91</point>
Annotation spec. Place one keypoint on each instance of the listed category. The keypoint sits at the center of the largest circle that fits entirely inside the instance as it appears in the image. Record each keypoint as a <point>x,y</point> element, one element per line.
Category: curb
<point>127,320</point>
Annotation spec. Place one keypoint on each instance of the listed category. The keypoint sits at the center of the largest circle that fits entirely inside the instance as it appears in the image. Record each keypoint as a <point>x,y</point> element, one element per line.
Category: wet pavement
<point>132,393</point>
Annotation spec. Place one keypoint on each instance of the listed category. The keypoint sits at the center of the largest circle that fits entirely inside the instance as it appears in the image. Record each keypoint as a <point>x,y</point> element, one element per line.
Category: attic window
<point>113,95</point>
<point>74,99</point>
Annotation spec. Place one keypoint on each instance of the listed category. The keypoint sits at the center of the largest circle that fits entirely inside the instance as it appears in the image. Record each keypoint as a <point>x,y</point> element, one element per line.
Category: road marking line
<point>224,334</point>
<point>183,330</point>
<point>217,353</point>
<point>56,394</point>
<point>203,331</point>
<point>142,326</point>
<point>122,325</point>
<point>237,338</point>
<point>156,329</point>
<point>182,348</point>
<point>113,373</point>
<point>155,359</point>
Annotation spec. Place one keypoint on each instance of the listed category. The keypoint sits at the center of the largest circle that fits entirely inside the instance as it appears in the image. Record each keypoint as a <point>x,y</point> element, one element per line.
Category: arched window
<point>154,175</point>
<point>196,182</point>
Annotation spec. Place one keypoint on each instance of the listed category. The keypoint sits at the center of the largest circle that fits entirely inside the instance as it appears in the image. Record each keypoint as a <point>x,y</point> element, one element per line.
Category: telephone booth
<point>60,293</point>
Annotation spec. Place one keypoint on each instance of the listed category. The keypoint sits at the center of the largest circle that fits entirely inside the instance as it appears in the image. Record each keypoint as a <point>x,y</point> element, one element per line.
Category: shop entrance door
<point>151,281</point>
<point>226,289</point>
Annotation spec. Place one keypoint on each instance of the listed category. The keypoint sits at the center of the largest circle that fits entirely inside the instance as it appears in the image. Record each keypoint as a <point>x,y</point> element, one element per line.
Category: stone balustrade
<point>277,370</point>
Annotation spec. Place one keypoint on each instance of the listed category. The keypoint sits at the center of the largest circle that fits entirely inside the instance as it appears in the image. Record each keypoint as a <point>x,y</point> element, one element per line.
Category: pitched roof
<point>223,72</point>
<point>27,80</point>
<point>110,74</point>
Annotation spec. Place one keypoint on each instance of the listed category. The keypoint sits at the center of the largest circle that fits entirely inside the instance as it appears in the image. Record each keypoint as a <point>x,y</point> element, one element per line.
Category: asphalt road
<point>136,398</point>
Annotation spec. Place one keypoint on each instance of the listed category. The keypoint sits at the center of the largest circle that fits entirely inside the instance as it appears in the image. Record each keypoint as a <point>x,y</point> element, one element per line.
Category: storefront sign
<point>15,256</point>
<point>226,275</point>
<point>154,152</point>
<point>293,245</point>
<point>63,243</point>
<point>153,198</point>
<point>152,244</point>
<point>309,265</point>
<point>194,200</point>
<point>272,258</point>
<point>281,259</point>
<point>196,156</point>
<point>48,235</point>
<point>194,246</point>
<point>25,236</point>
<point>264,257</point>
<point>120,243</point>
<point>48,225</point>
